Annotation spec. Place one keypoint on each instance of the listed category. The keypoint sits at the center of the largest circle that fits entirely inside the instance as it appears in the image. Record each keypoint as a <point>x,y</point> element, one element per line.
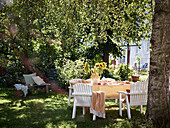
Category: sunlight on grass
<point>119,119</point>
<point>3,118</point>
<point>48,99</point>
<point>17,108</point>
<point>52,111</point>
<point>35,101</point>
<point>4,101</point>
<point>21,116</point>
<point>67,124</point>
<point>3,94</point>
<point>57,117</point>
<point>55,102</point>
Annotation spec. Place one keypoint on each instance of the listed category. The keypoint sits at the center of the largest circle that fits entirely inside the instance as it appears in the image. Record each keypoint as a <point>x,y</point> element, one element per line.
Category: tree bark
<point>106,57</point>
<point>106,53</point>
<point>158,98</point>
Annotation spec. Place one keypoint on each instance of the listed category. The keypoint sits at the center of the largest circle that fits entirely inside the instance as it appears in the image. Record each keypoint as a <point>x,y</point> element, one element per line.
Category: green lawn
<point>40,110</point>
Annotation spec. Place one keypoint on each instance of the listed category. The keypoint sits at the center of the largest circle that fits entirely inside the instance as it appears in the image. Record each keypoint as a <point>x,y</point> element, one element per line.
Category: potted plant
<point>130,75</point>
<point>138,60</point>
<point>122,71</point>
<point>135,76</point>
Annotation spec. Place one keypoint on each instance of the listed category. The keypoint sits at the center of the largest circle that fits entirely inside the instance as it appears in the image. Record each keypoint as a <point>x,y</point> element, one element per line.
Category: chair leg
<point>141,108</point>
<point>120,104</point>
<point>128,107</point>
<point>46,89</point>
<point>74,111</point>
<point>94,117</point>
<point>84,111</point>
<point>69,97</point>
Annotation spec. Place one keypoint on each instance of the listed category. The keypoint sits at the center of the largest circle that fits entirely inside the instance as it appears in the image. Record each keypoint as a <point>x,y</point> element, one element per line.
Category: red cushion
<point>73,83</point>
<point>128,91</point>
<point>86,82</point>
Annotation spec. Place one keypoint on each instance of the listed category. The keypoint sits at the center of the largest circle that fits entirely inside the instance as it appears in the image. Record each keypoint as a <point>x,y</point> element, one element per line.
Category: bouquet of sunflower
<point>99,67</point>
<point>86,67</point>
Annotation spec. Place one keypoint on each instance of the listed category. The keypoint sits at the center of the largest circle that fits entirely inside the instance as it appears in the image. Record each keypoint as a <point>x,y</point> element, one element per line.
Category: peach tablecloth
<point>111,90</point>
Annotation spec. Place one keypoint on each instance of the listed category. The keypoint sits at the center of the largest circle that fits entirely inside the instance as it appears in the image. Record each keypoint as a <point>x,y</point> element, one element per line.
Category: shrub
<point>122,71</point>
<point>70,70</point>
<point>108,74</point>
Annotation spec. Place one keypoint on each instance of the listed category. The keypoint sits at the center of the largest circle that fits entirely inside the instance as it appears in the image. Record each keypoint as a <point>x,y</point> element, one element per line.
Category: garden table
<point>111,90</point>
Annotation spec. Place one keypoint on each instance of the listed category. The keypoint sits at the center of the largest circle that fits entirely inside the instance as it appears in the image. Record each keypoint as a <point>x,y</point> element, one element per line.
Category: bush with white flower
<point>70,70</point>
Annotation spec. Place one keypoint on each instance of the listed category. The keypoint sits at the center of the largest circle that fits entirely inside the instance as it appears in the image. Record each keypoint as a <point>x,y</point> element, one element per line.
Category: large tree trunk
<point>158,98</point>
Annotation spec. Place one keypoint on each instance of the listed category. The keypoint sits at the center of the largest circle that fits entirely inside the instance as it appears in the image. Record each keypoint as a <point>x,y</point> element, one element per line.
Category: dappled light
<point>3,101</point>
<point>52,110</point>
<point>120,47</point>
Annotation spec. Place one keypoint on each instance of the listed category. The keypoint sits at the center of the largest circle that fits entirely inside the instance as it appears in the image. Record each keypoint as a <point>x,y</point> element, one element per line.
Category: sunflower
<point>104,64</point>
<point>97,64</point>
<point>101,66</point>
<point>86,67</point>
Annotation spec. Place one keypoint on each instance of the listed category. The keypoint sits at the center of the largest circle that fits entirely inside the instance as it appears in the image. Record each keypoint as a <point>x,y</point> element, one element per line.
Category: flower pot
<point>135,78</point>
<point>130,79</point>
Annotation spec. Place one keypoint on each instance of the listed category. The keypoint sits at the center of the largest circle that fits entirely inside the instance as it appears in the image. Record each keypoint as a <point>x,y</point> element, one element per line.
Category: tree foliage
<point>36,33</point>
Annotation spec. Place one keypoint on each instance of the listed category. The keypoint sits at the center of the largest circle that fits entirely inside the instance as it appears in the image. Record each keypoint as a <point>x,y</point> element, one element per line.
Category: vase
<point>95,78</point>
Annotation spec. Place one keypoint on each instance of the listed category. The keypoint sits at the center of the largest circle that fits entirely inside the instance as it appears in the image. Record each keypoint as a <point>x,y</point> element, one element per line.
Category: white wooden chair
<point>82,96</point>
<point>138,96</point>
<point>71,88</point>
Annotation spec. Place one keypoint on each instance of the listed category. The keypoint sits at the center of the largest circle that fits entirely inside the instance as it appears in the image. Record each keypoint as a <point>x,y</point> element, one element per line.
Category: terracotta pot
<point>135,78</point>
<point>130,79</point>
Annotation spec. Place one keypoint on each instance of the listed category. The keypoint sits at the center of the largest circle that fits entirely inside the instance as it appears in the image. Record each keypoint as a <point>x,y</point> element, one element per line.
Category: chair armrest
<point>81,94</point>
<point>101,91</point>
<point>138,93</point>
<point>70,87</point>
<point>46,84</point>
<point>126,93</point>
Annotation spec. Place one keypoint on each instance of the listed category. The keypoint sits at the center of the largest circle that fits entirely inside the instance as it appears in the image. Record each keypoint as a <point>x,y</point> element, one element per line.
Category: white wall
<point>144,52</point>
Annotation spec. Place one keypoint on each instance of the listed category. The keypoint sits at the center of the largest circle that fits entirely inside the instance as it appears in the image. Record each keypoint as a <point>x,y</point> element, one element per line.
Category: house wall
<point>143,52</point>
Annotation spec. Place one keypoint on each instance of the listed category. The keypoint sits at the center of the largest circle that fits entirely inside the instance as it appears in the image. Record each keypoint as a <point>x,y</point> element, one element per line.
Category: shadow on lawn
<point>51,110</point>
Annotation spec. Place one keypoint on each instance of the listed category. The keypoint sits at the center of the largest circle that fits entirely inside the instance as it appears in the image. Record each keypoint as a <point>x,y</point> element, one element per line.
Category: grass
<point>40,110</point>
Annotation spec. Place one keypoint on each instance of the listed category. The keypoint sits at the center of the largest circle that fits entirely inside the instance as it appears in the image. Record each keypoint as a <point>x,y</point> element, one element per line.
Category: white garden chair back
<point>138,96</point>
<point>82,96</point>
<point>75,80</point>
<point>71,88</point>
